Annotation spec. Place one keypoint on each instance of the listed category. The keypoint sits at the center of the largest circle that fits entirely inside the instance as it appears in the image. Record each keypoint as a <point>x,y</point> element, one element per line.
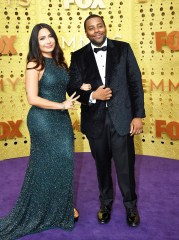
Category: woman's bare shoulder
<point>32,65</point>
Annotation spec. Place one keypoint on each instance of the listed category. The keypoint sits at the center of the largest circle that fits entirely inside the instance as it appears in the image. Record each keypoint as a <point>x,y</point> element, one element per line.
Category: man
<point>111,112</point>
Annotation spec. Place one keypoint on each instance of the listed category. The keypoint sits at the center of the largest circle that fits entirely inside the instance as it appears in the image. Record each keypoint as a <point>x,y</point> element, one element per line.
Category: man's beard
<point>98,44</point>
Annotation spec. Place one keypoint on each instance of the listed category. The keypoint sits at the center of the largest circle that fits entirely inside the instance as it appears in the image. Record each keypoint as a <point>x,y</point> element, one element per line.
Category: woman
<point>46,198</point>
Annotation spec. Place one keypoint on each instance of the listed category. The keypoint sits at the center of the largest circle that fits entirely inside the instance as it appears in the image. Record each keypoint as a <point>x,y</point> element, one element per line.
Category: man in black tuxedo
<point>111,112</point>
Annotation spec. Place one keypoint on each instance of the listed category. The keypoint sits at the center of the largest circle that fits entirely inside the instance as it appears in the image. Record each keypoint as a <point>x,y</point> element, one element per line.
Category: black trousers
<point>110,145</point>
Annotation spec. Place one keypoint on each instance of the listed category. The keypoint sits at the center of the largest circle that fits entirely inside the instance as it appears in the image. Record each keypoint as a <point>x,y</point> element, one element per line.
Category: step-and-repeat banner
<point>150,26</point>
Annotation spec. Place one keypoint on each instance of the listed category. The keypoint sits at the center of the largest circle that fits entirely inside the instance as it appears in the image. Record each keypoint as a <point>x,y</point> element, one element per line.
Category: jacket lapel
<point>92,65</point>
<point>110,61</point>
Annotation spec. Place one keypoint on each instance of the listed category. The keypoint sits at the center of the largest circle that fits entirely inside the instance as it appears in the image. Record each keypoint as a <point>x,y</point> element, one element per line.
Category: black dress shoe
<point>133,218</point>
<point>104,214</point>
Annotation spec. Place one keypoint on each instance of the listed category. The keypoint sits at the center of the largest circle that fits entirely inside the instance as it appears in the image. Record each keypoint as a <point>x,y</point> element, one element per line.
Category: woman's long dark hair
<point>35,54</point>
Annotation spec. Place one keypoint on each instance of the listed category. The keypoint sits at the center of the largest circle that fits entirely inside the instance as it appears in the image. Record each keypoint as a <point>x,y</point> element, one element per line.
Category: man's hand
<point>136,126</point>
<point>102,93</point>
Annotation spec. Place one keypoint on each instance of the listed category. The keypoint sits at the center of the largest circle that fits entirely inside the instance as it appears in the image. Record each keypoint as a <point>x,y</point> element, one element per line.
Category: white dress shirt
<point>100,57</point>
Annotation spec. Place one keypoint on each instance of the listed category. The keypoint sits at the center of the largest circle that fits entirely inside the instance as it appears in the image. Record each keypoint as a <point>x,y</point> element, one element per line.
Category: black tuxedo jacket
<point>122,76</point>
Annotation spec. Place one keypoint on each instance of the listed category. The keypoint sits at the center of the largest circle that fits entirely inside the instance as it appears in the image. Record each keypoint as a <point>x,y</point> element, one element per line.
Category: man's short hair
<point>93,16</point>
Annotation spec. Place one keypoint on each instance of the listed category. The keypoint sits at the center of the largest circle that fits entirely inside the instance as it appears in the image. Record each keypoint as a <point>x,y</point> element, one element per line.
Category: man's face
<point>96,31</point>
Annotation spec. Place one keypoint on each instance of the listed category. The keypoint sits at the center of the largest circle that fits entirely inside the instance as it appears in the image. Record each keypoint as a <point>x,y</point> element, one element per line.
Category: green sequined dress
<point>46,197</point>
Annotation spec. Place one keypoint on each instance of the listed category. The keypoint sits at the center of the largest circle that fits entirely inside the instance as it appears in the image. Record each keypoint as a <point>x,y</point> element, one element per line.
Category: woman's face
<point>46,42</point>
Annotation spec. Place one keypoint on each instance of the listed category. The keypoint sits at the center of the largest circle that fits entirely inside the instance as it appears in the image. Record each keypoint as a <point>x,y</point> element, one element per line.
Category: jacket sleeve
<point>76,80</point>
<point>135,85</point>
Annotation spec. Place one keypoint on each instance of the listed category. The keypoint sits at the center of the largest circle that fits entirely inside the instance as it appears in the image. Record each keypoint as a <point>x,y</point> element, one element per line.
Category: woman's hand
<point>85,87</point>
<point>70,102</point>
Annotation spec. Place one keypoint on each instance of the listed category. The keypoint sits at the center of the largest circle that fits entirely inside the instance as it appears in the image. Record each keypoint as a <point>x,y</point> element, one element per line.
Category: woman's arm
<point>32,77</point>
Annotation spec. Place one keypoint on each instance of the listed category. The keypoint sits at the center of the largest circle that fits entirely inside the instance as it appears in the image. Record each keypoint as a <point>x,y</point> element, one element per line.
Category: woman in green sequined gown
<point>46,197</point>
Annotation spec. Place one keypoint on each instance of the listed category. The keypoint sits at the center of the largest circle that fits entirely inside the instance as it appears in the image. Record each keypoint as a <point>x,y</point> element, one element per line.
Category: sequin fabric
<point>46,197</point>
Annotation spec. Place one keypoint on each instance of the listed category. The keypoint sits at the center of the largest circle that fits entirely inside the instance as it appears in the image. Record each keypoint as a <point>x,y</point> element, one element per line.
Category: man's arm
<point>76,81</point>
<point>135,85</point>
<point>136,93</point>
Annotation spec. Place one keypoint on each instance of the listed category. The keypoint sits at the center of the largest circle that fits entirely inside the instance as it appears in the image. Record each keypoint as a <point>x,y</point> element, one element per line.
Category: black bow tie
<point>100,49</point>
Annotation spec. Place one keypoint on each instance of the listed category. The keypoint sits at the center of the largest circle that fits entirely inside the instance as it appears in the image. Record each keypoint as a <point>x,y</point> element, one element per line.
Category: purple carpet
<point>158,200</point>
